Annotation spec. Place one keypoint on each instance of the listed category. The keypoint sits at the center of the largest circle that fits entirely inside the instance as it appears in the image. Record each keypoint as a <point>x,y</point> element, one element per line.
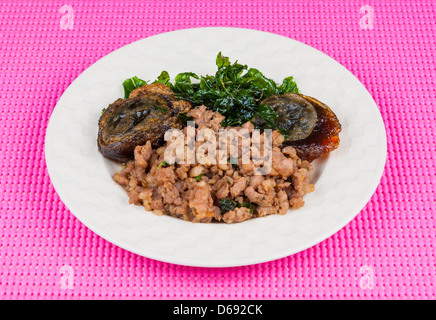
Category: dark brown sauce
<point>324,137</point>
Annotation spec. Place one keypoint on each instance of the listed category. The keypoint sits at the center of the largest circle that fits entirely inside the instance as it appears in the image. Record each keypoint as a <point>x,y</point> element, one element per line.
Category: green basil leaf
<point>184,117</point>
<point>222,61</point>
<point>132,84</point>
<point>288,86</point>
<point>259,81</point>
<point>163,78</point>
<point>284,132</point>
<point>268,114</point>
<point>183,84</point>
<point>248,205</point>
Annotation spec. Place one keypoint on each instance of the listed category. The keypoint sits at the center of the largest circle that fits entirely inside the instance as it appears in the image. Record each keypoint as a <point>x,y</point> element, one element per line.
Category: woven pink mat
<point>386,252</point>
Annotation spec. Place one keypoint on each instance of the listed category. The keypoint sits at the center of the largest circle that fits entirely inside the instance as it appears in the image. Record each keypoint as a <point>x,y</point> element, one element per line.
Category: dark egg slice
<point>296,116</point>
<point>324,137</point>
<point>145,116</point>
<point>312,127</point>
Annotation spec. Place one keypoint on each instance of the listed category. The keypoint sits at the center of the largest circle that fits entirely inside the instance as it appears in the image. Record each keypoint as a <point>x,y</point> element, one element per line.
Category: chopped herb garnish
<point>248,205</point>
<point>184,117</point>
<point>233,162</point>
<point>228,205</point>
<point>284,132</point>
<point>163,164</point>
<point>103,110</point>
<point>198,178</point>
<point>161,109</point>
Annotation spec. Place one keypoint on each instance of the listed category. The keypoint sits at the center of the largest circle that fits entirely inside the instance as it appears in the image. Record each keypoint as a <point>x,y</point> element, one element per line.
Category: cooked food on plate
<point>215,192</point>
<point>292,130</point>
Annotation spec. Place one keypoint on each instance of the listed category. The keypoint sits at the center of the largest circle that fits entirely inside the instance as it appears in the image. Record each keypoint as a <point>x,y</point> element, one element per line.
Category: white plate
<point>344,183</point>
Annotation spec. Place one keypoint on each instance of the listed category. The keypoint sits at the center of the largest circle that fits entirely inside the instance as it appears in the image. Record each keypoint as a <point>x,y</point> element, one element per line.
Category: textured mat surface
<point>387,251</point>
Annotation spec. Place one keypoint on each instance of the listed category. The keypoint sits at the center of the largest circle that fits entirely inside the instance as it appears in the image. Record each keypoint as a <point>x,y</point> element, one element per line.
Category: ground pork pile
<point>215,192</point>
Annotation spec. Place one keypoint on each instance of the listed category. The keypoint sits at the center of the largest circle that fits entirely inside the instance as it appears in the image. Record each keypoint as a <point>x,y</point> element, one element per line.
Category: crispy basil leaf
<point>268,114</point>
<point>183,84</point>
<point>184,117</point>
<point>163,78</point>
<point>222,61</point>
<point>227,205</point>
<point>288,86</point>
<point>132,84</point>
<point>267,86</point>
<point>234,91</point>
<point>284,133</point>
<point>248,205</point>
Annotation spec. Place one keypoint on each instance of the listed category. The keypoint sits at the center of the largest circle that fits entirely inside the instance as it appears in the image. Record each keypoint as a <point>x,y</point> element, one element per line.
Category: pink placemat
<point>386,252</point>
